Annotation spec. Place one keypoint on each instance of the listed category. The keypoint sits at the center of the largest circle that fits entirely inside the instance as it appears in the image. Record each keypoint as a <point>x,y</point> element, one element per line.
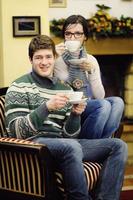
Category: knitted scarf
<point>77,77</point>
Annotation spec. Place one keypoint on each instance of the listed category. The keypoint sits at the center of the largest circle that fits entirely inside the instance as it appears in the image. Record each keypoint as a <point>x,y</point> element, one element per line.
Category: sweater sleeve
<point>72,126</point>
<point>21,122</point>
<point>61,69</point>
<point>95,79</point>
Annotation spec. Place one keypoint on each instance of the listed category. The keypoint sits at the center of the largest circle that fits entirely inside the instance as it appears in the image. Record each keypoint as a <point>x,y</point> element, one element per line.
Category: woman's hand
<point>79,108</point>
<point>58,101</point>
<point>60,48</point>
<point>87,65</point>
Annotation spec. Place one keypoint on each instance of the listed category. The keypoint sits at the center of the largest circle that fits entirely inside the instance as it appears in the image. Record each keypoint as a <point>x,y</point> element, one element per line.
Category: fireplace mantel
<point>107,46</point>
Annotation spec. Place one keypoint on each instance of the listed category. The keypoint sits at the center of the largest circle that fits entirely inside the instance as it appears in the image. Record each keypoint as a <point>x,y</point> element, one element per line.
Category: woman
<point>102,116</point>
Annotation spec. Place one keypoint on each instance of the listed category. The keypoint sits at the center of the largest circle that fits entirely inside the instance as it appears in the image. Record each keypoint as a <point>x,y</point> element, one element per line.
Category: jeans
<point>101,117</point>
<point>69,154</point>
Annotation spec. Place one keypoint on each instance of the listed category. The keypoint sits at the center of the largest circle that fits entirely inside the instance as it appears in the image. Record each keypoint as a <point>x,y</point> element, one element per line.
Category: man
<point>37,108</point>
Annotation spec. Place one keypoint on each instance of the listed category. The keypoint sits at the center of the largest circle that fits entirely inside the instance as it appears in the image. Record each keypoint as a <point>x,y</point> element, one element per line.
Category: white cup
<point>72,46</point>
<point>75,96</point>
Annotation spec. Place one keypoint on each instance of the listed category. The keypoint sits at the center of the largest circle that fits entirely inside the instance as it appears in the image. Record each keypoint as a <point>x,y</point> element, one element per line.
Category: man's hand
<point>58,101</point>
<point>79,108</point>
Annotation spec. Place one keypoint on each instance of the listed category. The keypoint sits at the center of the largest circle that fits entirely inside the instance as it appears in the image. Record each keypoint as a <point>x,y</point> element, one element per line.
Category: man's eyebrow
<point>37,55</point>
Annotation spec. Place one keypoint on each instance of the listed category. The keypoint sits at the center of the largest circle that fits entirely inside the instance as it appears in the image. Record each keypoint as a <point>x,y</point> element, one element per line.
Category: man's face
<point>43,62</point>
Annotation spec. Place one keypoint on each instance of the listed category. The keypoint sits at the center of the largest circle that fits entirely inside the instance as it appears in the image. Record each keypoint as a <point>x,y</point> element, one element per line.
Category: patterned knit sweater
<point>27,114</point>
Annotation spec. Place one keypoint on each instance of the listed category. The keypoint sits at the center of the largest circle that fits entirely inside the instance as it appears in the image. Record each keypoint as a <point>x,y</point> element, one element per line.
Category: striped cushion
<point>2,117</point>
<point>92,171</point>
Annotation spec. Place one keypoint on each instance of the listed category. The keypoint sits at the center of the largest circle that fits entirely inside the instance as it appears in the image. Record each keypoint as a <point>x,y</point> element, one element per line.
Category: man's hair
<point>76,19</point>
<point>41,42</point>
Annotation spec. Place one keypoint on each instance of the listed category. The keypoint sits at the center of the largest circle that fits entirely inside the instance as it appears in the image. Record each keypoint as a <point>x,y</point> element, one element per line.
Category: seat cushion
<point>92,171</point>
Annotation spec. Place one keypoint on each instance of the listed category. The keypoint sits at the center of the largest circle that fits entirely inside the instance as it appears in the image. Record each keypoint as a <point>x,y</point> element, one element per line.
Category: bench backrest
<point>3,132</point>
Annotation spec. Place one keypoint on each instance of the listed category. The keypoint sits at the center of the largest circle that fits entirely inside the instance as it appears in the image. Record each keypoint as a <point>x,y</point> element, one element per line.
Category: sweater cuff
<point>39,115</point>
<point>72,126</point>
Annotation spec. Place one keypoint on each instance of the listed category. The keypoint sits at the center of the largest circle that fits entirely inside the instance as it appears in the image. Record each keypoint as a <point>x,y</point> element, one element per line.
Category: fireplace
<point>117,78</point>
<point>115,57</point>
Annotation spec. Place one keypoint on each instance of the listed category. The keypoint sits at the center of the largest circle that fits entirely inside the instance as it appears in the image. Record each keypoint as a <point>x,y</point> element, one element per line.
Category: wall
<point>1,52</point>
<point>14,55</point>
<point>88,7</point>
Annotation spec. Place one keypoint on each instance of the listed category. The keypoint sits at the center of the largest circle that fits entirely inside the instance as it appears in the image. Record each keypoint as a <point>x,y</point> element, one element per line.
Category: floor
<point>127,189</point>
<point>128,178</point>
<point>127,136</point>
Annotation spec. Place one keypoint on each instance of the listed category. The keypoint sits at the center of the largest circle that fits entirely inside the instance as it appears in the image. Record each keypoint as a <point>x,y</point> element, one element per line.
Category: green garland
<point>101,24</point>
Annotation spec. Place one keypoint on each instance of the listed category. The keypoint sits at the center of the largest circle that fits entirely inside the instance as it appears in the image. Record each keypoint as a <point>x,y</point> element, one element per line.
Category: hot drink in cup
<point>72,46</point>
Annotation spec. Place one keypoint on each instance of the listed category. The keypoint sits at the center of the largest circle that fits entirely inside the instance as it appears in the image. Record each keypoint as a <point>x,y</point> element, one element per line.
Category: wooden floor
<point>128,178</point>
<point>127,189</point>
<point>127,136</point>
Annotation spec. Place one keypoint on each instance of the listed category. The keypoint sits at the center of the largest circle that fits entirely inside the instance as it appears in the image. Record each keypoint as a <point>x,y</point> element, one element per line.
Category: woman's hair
<point>76,19</point>
<point>41,42</point>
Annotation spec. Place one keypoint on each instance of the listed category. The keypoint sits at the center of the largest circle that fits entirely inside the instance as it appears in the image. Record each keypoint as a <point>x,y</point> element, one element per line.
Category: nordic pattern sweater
<point>27,114</point>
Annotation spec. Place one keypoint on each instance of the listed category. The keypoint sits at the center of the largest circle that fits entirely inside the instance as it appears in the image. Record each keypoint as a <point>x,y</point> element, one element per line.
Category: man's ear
<point>30,60</point>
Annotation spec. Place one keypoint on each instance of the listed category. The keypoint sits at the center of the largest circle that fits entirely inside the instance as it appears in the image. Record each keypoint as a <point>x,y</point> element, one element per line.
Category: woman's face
<point>75,32</point>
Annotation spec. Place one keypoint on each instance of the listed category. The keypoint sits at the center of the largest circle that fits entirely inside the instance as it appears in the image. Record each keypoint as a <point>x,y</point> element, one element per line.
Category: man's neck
<point>43,81</point>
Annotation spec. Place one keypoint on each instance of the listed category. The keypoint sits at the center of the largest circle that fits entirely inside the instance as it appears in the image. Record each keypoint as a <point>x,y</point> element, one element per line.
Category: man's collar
<point>43,81</point>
